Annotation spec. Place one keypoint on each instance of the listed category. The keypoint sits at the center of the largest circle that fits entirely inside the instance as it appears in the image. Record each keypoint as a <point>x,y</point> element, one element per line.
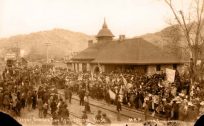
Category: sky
<point>128,17</point>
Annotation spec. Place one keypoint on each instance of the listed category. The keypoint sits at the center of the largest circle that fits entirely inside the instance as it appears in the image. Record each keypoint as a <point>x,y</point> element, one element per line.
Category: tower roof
<point>104,32</point>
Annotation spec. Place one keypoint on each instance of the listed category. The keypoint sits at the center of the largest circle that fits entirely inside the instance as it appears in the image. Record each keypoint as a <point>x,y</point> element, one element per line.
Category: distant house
<point>136,54</point>
<point>23,61</point>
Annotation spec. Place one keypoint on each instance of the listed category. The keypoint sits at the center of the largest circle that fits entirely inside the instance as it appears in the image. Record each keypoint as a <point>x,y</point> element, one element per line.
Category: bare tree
<point>191,24</point>
<point>172,37</point>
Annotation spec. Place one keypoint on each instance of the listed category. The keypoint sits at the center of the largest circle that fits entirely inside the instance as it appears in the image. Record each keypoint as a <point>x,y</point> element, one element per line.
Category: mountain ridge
<point>62,42</point>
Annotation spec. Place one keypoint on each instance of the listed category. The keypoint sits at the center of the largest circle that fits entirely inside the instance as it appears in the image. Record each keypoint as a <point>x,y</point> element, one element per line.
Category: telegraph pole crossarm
<point>47,53</point>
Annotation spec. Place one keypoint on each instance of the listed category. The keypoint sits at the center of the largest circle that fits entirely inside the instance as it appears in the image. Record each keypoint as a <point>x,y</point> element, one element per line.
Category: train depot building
<point>108,54</point>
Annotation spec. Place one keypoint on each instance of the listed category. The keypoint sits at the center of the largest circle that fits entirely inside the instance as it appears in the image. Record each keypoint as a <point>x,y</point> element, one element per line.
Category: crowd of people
<point>33,88</point>
<point>30,89</point>
<point>152,94</point>
<point>17,92</point>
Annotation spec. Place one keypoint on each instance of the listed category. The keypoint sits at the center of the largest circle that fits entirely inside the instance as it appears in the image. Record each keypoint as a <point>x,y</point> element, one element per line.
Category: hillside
<point>158,38</point>
<point>62,43</point>
<point>170,39</point>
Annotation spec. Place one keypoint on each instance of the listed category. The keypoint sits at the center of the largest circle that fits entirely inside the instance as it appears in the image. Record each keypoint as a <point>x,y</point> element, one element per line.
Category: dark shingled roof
<point>129,51</point>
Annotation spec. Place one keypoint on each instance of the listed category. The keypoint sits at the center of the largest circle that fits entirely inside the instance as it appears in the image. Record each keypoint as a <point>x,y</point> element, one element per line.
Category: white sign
<point>22,53</point>
<point>198,62</point>
<point>80,77</point>
<point>112,94</point>
<point>170,75</point>
<point>10,56</point>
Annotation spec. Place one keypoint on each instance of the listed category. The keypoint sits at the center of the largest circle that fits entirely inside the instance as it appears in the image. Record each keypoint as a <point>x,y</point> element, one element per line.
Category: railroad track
<point>123,107</point>
<point>102,106</point>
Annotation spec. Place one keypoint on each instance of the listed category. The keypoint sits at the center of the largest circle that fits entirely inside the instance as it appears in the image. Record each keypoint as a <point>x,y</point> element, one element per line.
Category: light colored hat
<point>185,100</point>
<point>116,87</point>
<point>190,104</point>
<point>177,98</point>
<point>178,102</point>
<point>181,94</point>
<point>202,103</point>
<point>164,99</point>
<point>197,99</point>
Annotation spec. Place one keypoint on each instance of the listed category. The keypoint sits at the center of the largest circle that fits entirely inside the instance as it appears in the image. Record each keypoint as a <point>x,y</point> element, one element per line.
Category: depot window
<point>158,67</point>
<point>174,66</point>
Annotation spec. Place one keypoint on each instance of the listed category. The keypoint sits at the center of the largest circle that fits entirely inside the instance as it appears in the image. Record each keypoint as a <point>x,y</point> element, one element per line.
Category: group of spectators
<point>17,91</point>
<point>33,88</point>
<point>29,89</point>
<point>152,94</point>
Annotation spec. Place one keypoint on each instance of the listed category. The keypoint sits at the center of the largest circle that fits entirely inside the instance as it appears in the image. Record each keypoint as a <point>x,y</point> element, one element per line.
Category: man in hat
<point>6,101</point>
<point>84,118</point>
<point>53,106</point>
<point>81,96</point>
<point>183,110</point>
<point>201,109</point>
<point>64,114</point>
<point>105,120</point>
<point>174,110</point>
<point>34,99</point>
<point>55,118</point>
<point>45,109</point>
<point>40,107</point>
<point>69,94</point>
<point>191,112</point>
<point>86,104</point>
<point>98,117</point>
<point>66,93</point>
<point>29,101</point>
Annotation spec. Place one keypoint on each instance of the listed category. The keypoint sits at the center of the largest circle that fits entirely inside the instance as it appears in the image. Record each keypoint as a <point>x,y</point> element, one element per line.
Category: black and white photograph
<point>101,62</point>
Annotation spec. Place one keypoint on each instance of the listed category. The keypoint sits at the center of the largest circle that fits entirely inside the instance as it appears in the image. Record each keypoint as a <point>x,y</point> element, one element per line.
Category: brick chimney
<point>90,43</point>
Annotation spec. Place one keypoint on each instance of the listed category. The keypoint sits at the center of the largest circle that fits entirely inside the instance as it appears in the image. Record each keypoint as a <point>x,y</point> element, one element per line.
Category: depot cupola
<point>104,34</point>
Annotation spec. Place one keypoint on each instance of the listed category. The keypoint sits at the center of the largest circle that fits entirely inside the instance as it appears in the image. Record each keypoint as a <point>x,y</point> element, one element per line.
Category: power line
<point>47,53</point>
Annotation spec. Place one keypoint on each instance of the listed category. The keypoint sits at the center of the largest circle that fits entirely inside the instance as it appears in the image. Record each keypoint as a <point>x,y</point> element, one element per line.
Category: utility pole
<point>17,50</point>
<point>47,45</point>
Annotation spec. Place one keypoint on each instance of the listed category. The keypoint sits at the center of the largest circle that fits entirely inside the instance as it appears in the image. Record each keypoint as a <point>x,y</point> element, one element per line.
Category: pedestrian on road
<point>118,107</point>
<point>70,95</point>
<point>45,108</point>
<point>86,103</point>
<point>29,101</point>
<point>63,114</point>
<point>34,99</point>
<point>40,107</point>
<point>81,96</point>
<point>53,106</point>
<point>105,120</point>
<point>98,117</point>
<point>18,107</point>
<point>66,93</point>
<point>84,118</point>
<point>55,118</point>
